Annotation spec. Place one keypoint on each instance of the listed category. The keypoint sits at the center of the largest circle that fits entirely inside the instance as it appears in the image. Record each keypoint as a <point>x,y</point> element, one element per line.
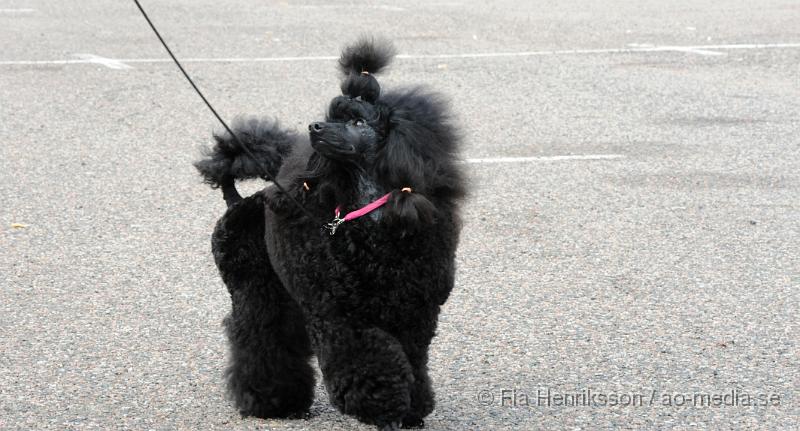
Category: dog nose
<point>314,127</point>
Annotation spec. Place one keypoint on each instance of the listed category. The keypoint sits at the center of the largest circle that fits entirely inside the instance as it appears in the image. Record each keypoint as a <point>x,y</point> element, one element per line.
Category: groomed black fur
<point>360,62</point>
<point>269,373</point>
<point>366,54</point>
<point>366,300</point>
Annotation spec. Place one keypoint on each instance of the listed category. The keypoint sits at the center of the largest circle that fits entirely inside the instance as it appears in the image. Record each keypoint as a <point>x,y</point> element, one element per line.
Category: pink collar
<point>357,213</point>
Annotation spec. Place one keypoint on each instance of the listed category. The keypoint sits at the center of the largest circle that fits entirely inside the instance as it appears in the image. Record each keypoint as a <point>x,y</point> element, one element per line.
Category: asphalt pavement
<point>630,258</point>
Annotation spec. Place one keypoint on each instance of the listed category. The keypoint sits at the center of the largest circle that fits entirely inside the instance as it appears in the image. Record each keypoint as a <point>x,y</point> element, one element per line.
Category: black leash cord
<point>247,151</point>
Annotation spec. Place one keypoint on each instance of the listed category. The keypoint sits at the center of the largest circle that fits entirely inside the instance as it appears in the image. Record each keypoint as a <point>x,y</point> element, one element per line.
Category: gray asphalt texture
<point>668,272</point>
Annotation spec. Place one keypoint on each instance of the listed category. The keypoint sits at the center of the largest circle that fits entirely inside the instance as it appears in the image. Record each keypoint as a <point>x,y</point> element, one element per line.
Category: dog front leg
<point>366,373</point>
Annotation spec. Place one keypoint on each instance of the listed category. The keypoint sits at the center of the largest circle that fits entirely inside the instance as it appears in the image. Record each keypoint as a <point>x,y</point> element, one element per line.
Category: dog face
<point>351,132</point>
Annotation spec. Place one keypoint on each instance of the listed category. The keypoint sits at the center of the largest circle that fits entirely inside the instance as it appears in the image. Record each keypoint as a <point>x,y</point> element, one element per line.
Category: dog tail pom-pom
<point>367,54</point>
<point>227,160</point>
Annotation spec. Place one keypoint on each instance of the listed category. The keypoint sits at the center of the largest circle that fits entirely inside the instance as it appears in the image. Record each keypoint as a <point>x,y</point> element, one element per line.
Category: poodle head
<point>401,140</point>
<point>354,124</point>
<point>351,132</point>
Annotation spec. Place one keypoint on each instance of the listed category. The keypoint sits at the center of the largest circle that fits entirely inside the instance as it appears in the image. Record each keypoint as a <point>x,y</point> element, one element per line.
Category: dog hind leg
<point>269,374</point>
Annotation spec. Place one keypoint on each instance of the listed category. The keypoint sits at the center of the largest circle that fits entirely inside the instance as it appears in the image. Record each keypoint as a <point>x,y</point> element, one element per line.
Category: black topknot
<point>367,54</point>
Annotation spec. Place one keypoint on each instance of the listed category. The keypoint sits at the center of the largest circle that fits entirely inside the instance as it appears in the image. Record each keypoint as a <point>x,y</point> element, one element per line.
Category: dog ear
<point>404,162</point>
<point>407,211</point>
<point>401,161</point>
<point>419,152</point>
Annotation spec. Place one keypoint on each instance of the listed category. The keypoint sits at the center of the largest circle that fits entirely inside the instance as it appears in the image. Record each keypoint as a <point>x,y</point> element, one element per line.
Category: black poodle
<point>356,274</point>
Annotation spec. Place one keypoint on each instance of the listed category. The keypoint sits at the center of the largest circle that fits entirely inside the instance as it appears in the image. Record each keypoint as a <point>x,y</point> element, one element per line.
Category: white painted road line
<point>693,51</point>
<point>689,49</point>
<point>42,62</point>
<point>12,11</point>
<point>350,6</point>
<point>231,59</point>
<point>107,62</point>
<point>546,158</point>
<point>168,60</point>
<point>697,49</point>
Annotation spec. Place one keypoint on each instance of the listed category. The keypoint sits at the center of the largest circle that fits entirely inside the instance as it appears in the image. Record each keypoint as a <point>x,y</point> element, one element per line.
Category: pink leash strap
<point>357,213</point>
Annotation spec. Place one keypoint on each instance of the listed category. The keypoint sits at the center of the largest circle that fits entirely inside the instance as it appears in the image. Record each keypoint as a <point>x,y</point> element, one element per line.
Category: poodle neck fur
<point>367,192</point>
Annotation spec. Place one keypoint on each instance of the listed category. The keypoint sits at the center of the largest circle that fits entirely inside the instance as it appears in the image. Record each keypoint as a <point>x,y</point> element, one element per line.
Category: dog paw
<point>251,403</point>
<point>394,426</point>
<point>304,415</point>
<point>413,423</point>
